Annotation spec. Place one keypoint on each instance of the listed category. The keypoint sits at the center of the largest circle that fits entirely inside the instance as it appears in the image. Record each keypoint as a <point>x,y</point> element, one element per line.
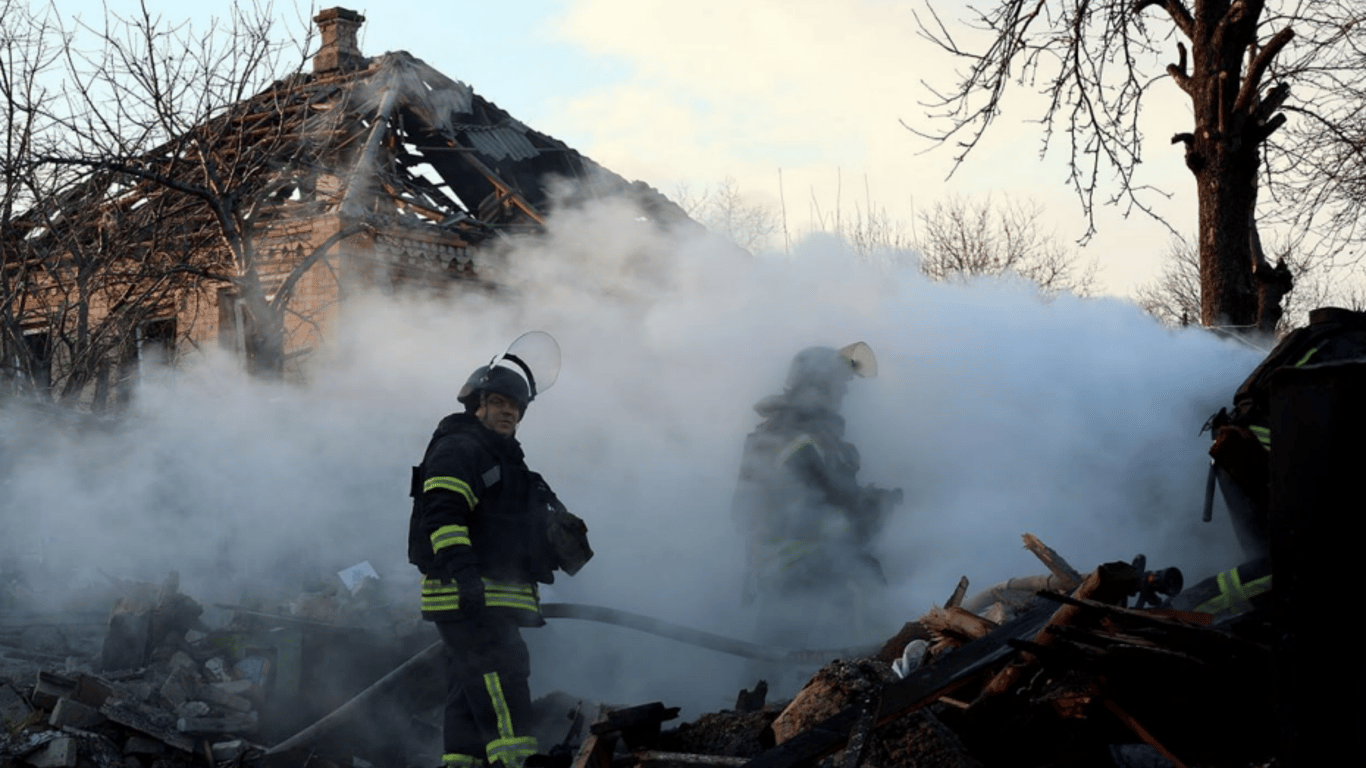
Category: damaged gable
<point>243,231</point>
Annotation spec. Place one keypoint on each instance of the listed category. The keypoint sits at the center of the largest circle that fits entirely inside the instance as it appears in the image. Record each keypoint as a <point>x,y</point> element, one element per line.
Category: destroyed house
<point>247,231</point>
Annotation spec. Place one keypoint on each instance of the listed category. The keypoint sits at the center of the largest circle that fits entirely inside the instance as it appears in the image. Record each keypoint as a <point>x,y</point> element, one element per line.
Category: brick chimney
<point>339,50</point>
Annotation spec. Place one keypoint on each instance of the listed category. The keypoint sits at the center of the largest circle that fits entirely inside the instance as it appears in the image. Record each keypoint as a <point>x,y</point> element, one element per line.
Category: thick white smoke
<point>996,412</point>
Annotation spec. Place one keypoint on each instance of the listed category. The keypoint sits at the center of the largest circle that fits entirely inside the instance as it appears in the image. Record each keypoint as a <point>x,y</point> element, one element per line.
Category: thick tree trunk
<point>265,332</point>
<point>1224,160</point>
<point>1238,287</point>
<point>1227,196</point>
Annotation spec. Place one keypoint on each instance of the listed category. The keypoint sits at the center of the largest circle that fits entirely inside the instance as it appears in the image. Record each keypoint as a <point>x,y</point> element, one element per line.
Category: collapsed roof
<point>387,140</point>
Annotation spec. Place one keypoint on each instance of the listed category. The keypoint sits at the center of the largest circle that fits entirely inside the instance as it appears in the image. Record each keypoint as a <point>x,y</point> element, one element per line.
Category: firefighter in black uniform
<point>1241,459</point>
<point>479,535</point>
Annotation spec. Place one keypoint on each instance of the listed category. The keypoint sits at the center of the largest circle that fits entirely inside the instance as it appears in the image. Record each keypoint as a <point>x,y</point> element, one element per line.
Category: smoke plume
<point>997,413</point>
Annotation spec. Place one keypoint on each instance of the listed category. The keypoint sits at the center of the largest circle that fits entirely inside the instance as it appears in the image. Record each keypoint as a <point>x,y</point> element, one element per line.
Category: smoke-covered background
<point>997,412</point>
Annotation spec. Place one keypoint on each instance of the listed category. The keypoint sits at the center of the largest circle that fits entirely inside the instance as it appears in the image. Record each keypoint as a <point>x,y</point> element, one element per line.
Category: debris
<point>51,688</point>
<point>70,712</point>
<point>959,591</point>
<point>1029,678</point>
<point>911,658</point>
<point>418,664</point>
<point>752,700</point>
<point>837,686</point>
<point>148,721</point>
<point>13,708</point>
<point>58,753</point>
<point>654,757</point>
<point>355,576</point>
<point>235,723</point>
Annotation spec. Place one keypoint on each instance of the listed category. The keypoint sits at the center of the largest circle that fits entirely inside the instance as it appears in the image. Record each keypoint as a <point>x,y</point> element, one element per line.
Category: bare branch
<point>1257,69</point>
<point>1180,15</point>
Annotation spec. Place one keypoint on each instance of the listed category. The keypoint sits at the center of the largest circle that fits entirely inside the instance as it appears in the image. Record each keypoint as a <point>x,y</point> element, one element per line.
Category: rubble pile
<point>151,685</point>
<point>1067,675</point>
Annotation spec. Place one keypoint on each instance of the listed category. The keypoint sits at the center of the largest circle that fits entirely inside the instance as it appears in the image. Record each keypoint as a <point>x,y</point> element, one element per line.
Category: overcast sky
<point>799,101</point>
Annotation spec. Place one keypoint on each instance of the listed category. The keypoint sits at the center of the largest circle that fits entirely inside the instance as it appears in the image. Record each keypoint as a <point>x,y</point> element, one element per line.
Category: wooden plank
<point>627,718</point>
<point>1141,732</point>
<point>1178,629</point>
<point>905,696</point>
<point>597,750</point>
<point>1058,566</point>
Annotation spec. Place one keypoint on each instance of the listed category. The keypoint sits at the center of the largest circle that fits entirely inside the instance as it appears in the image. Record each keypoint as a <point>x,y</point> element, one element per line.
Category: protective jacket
<point>478,511</point>
<point>799,501</point>
<point>1242,436</point>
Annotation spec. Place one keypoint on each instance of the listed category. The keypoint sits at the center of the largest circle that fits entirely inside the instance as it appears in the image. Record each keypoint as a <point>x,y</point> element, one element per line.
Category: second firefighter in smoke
<point>808,521</point>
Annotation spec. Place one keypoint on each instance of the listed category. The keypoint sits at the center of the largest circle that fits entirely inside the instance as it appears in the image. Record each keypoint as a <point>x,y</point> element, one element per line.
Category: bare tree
<point>961,239</point>
<point>1096,62</point>
<point>201,134</point>
<point>1174,297</point>
<point>69,317</point>
<point>22,58</point>
<point>725,211</point>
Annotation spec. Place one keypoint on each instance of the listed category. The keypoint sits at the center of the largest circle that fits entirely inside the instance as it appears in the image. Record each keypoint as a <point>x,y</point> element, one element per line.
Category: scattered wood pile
<point>1065,676</point>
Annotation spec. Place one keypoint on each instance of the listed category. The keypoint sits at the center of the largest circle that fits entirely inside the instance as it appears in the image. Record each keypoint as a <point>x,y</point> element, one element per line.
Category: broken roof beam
<point>914,692</point>
<point>426,209</point>
<point>503,189</point>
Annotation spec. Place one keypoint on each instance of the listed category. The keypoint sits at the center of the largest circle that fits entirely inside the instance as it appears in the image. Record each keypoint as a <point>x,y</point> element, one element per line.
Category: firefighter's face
<point>499,413</point>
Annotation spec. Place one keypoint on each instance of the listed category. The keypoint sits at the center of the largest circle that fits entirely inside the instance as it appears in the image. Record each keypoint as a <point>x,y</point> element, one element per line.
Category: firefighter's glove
<point>471,588</point>
<point>471,595</point>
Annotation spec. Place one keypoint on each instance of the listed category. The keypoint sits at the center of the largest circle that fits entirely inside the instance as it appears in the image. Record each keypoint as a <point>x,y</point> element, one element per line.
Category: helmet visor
<point>535,355</point>
<point>861,359</point>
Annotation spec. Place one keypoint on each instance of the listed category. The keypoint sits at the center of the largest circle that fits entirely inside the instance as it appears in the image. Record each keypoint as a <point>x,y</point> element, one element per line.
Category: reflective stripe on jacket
<point>1263,433</point>
<point>442,600</point>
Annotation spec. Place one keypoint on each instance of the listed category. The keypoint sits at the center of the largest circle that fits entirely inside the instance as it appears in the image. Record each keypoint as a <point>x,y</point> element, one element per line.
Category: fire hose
<point>601,614</point>
<point>697,637</point>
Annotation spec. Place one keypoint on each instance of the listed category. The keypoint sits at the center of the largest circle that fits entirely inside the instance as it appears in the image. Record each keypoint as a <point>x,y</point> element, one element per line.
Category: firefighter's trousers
<point>488,699</point>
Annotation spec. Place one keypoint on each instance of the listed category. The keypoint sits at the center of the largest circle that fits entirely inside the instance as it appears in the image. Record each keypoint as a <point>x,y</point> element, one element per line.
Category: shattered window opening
<point>35,373</point>
<point>155,342</point>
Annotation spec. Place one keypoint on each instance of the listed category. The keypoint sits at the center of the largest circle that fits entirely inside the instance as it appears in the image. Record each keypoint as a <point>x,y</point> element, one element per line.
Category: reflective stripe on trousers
<point>509,748</point>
